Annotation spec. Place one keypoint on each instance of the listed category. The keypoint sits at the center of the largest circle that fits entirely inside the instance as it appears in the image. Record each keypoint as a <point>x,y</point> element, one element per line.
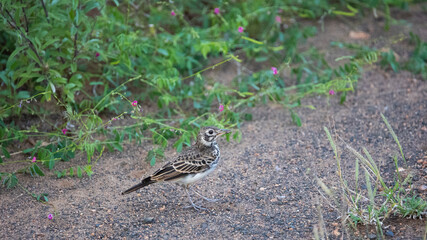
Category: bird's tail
<point>143,183</point>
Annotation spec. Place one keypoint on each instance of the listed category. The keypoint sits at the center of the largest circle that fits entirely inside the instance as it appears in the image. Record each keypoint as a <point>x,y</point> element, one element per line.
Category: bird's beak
<point>223,131</point>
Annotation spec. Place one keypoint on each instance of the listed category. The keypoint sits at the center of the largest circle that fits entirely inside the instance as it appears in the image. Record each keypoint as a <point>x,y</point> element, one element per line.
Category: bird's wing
<point>189,163</point>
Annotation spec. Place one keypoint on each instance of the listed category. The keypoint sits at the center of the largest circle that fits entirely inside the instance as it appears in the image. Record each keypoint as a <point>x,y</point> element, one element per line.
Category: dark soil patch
<point>266,182</point>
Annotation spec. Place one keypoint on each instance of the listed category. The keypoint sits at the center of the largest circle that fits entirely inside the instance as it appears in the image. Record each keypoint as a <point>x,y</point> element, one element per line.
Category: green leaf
<point>10,181</point>
<point>72,14</point>
<point>5,152</point>
<point>59,174</point>
<point>117,146</point>
<point>151,156</point>
<point>49,42</point>
<point>348,14</point>
<point>96,83</point>
<point>23,95</point>
<point>179,147</point>
<point>73,67</point>
<point>296,119</point>
<point>51,163</point>
<point>79,172</point>
<point>37,170</point>
<point>90,150</point>
<point>12,56</point>
<point>343,97</point>
<point>90,5</point>
<point>88,170</point>
<point>163,52</point>
<point>27,150</point>
<point>248,117</point>
<point>71,172</point>
<point>52,87</point>
<point>33,56</point>
<point>153,160</point>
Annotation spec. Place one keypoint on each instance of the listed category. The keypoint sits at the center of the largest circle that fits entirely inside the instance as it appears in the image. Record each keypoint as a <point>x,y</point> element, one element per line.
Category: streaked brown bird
<point>192,164</point>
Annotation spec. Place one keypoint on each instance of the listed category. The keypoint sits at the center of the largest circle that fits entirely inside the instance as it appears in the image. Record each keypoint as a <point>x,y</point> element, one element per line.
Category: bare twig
<point>45,11</point>
<point>25,18</point>
<point>75,44</point>
<point>60,58</point>
<point>76,52</point>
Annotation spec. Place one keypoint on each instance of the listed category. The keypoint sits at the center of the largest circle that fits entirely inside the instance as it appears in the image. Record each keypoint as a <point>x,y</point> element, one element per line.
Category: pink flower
<point>64,131</point>
<point>278,19</point>
<point>50,216</point>
<point>34,159</point>
<point>173,13</point>
<point>221,108</point>
<point>216,11</point>
<point>97,54</point>
<point>331,92</point>
<point>134,103</point>
<point>274,70</point>
<point>241,29</point>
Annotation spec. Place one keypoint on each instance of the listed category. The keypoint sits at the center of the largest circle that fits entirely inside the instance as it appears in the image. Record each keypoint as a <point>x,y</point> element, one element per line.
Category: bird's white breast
<point>192,178</point>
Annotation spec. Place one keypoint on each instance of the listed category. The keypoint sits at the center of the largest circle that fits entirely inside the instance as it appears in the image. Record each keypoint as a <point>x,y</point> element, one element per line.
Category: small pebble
<point>148,220</point>
<point>389,233</point>
<point>372,236</point>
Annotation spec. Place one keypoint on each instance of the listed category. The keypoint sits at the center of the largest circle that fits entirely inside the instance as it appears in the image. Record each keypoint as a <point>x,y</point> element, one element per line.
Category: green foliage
<point>412,206</point>
<point>35,170</point>
<point>42,197</point>
<point>75,171</point>
<point>418,61</point>
<point>9,180</point>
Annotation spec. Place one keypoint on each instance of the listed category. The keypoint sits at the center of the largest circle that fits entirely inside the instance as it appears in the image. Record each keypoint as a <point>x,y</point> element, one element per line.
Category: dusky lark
<point>191,165</point>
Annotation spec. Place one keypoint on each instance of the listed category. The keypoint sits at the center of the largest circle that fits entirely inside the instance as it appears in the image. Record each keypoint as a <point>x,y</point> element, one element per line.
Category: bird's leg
<point>207,199</point>
<point>195,206</point>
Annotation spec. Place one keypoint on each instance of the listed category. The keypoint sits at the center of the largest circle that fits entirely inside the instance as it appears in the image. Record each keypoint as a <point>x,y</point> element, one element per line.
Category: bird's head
<point>207,135</point>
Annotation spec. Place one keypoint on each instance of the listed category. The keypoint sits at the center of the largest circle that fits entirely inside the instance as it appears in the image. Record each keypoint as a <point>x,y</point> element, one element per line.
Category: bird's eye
<point>210,131</point>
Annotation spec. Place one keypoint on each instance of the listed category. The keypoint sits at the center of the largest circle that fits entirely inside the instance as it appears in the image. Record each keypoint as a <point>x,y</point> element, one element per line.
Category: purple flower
<point>134,103</point>
<point>278,19</point>
<point>34,159</point>
<point>331,92</point>
<point>216,11</point>
<point>221,108</point>
<point>64,131</point>
<point>50,216</point>
<point>241,29</point>
<point>173,13</point>
<point>97,54</point>
<point>274,70</point>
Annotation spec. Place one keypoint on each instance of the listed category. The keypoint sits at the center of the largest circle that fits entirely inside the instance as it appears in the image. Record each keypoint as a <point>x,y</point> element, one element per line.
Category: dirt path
<point>265,183</point>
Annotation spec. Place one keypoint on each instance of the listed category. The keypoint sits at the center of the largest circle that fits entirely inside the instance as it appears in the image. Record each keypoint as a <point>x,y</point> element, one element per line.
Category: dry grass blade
<point>394,137</point>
